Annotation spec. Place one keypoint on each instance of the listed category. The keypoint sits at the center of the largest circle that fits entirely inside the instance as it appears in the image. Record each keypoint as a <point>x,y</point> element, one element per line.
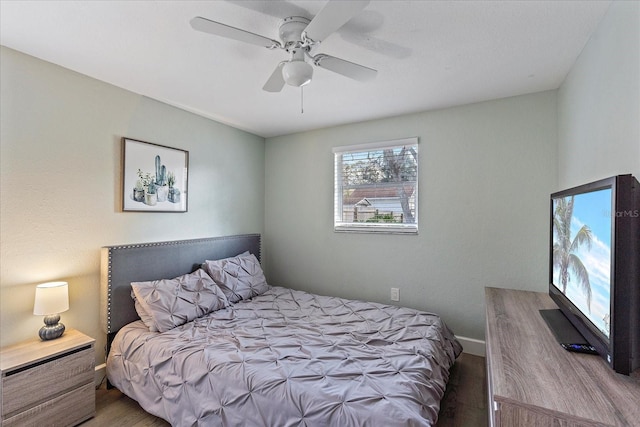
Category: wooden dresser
<point>532,381</point>
<point>48,383</point>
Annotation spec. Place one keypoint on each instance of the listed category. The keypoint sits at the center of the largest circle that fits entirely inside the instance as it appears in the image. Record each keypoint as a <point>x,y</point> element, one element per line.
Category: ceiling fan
<point>298,36</point>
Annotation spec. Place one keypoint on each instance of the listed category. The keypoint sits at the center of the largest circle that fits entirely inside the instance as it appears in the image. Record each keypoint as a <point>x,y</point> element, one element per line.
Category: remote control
<point>580,348</point>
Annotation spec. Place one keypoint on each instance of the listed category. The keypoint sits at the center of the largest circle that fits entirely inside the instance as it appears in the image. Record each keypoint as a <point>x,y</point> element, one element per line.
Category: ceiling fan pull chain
<point>301,99</point>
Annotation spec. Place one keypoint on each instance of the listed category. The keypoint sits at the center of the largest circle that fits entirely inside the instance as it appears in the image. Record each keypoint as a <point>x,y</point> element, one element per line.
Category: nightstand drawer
<point>33,384</point>
<point>68,409</point>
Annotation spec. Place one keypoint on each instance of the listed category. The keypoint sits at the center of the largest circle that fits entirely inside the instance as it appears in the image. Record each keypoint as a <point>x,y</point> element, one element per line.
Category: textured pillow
<point>144,316</point>
<point>239,277</point>
<point>173,302</point>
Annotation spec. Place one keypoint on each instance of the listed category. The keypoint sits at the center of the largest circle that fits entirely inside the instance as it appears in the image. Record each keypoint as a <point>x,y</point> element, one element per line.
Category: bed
<point>215,345</point>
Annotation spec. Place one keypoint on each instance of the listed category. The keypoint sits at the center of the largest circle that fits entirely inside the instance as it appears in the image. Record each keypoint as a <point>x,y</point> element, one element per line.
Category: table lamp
<point>51,299</point>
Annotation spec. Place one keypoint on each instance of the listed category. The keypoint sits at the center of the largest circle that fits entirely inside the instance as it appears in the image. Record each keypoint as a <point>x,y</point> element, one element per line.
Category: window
<point>376,187</point>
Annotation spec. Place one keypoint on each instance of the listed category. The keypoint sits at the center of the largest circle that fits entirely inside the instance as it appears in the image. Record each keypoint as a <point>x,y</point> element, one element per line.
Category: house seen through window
<point>376,187</point>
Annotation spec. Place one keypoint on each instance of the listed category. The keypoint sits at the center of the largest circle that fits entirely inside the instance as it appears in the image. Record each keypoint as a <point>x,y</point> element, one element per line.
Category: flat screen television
<point>594,266</point>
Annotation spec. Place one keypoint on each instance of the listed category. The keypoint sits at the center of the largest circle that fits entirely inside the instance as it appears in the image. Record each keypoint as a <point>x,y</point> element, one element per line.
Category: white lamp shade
<point>51,298</point>
<point>297,73</point>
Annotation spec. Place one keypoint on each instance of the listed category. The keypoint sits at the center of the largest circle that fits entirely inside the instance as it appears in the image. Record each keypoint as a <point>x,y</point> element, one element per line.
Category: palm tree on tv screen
<point>565,248</point>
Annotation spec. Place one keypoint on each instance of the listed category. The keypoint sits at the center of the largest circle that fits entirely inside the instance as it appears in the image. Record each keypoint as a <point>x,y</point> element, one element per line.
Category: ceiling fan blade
<point>333,15</point>
<point>218,29</point>
<point>276,81</point>
<point>346,68</point>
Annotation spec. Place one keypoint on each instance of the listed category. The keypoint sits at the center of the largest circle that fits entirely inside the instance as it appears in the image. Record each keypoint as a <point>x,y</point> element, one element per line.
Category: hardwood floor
<point>464,403</point>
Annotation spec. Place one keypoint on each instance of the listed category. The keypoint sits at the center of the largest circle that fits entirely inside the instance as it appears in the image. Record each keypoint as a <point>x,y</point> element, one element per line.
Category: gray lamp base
<point>52,328</point>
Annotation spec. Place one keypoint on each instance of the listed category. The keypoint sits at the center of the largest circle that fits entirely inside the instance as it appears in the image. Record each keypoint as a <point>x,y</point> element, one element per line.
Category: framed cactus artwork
<point>154,177</point>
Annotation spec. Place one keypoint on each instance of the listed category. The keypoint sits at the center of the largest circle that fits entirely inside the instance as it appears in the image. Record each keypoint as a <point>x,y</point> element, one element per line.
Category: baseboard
<point>100,373</point>
<point>472,346</point>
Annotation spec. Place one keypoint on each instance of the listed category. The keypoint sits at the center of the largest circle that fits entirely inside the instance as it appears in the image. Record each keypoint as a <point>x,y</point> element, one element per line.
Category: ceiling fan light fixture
<point>298,36</point>
<point>297,73</point>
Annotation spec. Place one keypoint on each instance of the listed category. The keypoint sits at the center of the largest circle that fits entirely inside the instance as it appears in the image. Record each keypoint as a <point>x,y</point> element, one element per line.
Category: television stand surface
<point>533,381</point>
<point>563,330</point>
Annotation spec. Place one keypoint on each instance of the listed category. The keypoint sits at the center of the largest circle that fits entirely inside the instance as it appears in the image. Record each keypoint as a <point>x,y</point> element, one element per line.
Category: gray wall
<point>486,171</point>
<point>486,174</point>
<point>599,103</point>
<point>61,185</point>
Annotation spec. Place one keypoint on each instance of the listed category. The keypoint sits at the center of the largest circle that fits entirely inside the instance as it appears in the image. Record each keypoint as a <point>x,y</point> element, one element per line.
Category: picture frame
<point>154,177</point>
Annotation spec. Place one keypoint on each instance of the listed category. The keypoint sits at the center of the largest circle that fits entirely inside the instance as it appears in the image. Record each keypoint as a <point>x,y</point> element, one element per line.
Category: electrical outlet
<point>395,294</point>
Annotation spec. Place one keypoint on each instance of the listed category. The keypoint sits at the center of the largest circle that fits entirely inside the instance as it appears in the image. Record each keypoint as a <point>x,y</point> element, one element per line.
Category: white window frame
<point>363,227</point>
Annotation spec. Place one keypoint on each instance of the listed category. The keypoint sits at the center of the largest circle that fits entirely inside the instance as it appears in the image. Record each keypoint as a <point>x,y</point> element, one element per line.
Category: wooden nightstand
<point>48,383</point>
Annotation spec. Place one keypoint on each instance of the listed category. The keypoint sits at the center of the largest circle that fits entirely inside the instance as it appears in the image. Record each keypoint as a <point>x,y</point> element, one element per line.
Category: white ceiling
<point>429,54</point>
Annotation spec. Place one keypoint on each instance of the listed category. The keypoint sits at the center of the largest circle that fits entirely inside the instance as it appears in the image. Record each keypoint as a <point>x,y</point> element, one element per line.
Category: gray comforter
<point>290,358</point>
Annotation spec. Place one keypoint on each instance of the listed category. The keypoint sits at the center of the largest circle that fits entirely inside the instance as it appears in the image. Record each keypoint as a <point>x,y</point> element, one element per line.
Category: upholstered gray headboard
<point>124,264</point>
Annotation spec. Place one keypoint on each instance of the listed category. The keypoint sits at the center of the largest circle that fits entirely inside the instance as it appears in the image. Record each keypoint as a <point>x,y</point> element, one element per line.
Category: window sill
<point>376,229</point>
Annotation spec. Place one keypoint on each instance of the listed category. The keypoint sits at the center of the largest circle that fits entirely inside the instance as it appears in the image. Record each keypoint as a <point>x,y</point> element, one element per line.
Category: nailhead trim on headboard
<point>156,260</point>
